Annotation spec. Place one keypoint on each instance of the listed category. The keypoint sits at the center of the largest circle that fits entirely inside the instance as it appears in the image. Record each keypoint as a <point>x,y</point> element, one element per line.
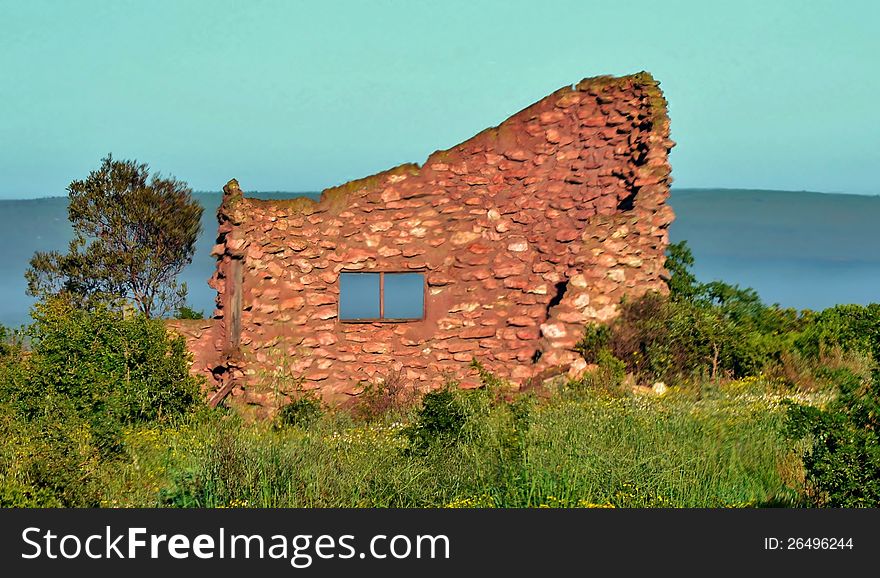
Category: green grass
<point>583,449</point>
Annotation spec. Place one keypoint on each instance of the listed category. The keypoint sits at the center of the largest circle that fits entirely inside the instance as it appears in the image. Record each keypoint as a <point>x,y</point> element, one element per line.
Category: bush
<point>105,364</point>
<point>389,396</point>
<point>849,327</point>
<point>699,330</point>
<point>49,461</point>
<point>843,462</point>
<point>187,312</point>
<point>596,338</point>
<point>606,378</point>
<point>10,342</point>
<point>64,403</point>
<point>301,412</point>
<point>661,338</point>
<point>682,282</point>
<point>446,416</point>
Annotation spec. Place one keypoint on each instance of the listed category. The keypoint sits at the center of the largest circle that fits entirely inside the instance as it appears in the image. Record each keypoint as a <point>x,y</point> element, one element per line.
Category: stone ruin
<point>522,235</point>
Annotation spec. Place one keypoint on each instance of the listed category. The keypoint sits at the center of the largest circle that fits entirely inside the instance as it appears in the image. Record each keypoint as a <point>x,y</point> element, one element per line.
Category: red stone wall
<point>525,232</point>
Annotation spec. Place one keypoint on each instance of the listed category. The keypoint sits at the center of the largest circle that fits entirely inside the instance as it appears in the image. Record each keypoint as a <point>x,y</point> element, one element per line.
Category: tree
<point>133,235</point>
<point>682,282</point>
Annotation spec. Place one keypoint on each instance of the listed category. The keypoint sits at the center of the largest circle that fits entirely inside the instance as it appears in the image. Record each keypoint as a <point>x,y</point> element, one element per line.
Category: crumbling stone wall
<point>525,232</point>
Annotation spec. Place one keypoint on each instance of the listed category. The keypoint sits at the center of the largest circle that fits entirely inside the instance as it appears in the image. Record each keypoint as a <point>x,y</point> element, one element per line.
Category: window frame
<point>382,318</point>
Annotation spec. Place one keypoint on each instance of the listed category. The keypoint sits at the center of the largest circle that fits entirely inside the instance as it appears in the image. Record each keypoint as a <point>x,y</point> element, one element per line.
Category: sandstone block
<point>477,332</point>
<point>458,346</point>
<point>463,237</point>
<point>554,330</point>
<point>521,321</point>
<point>567,235</point>
<point>509,269</point>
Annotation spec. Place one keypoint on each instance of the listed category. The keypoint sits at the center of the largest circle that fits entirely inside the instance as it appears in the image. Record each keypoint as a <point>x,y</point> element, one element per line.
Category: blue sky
<point>295,96</point>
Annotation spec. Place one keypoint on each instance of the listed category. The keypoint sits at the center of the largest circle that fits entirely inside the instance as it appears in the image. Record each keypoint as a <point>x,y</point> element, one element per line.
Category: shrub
<point>103,363</point>
<point>187,312</point>
<point>442,416</point>
<point>606,378</point>
<point>447,416</point>
<point>49,461</point>
<point>682,282</point>
<point>596,338</point>
<point>849,327</point>
<point>388,396</point>
<point>699,330</point>
<point>670,340</point>
<point>10,342</point>
<point>301,412</point>
<point>843,462</point>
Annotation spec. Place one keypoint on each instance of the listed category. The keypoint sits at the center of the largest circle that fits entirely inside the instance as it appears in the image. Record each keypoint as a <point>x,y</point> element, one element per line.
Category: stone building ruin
<point>513,240</point>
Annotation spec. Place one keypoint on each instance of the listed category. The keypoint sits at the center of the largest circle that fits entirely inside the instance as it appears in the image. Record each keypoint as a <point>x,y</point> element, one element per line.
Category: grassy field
<point>721,447</point>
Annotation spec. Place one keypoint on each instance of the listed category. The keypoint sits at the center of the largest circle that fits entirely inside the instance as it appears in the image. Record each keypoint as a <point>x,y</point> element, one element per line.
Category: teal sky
<point>295,96</point>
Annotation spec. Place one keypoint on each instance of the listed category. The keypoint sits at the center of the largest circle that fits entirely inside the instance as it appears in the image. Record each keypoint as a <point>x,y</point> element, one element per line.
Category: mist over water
<point>798,249</point>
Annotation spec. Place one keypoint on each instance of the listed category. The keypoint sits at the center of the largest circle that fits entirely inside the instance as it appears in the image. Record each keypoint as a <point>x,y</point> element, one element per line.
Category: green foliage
<point>65,403</point>
<point>664,339</point>
<point>446,416</point>
<point>442,417</point>
<point>102,363</point>
<point>5,345</point>
<point>742,306</point>
<point>849,327</point>
<point>556,452</point>
<point>615,368</point>
<point>11,342</point>
<point>682,282</point>
<point>133,235</point>
<point>595,339</point>
<point>47,461</point>
<point>843,461</point>
<point>187,312</point>
<point>606,378</point>
<point>126,364</point>
<point>301,412</point>
<point>699,330</point>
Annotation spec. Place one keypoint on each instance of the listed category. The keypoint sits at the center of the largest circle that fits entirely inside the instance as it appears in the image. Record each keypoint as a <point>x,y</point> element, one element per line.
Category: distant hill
<point>800,249</point>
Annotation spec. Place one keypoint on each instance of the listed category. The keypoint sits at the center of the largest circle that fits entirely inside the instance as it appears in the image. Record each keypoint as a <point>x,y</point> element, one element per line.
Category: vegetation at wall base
<point>66,401</point>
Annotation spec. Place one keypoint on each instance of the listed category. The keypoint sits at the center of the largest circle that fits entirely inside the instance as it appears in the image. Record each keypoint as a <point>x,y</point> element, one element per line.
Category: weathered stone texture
<point>525,232</point>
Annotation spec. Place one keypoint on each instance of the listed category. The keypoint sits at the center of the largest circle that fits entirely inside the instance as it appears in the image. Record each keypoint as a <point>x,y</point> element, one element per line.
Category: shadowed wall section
<point>524,233</point>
